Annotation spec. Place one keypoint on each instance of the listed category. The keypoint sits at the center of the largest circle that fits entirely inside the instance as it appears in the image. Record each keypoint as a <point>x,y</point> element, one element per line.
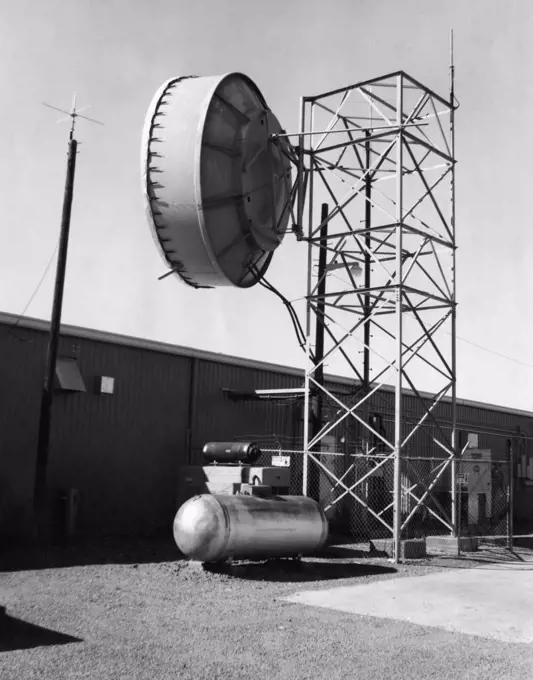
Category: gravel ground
<point>127,614</point>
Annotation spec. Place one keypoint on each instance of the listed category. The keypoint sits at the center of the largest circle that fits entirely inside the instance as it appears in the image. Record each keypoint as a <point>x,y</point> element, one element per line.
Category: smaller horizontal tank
<point>210,528</point>
<point>231,452</point>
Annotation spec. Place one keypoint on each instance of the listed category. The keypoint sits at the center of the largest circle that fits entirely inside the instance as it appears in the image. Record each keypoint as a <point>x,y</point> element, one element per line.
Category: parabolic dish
<point>216,187</point>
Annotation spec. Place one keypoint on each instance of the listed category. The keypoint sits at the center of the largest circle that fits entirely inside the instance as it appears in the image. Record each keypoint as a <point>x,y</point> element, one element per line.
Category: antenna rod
<point>455,492</point>
<point>43,442</point>
<point>452,71</point>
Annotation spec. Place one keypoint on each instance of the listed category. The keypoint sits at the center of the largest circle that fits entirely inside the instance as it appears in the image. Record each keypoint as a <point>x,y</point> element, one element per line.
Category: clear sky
<point>116,53</point>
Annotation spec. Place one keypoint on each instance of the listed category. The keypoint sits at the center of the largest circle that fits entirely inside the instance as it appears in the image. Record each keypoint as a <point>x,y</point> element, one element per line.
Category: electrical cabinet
<point>477,471</point>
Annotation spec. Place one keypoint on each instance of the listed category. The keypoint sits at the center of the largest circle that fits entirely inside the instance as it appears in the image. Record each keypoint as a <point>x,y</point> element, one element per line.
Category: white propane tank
<point>211,528</point>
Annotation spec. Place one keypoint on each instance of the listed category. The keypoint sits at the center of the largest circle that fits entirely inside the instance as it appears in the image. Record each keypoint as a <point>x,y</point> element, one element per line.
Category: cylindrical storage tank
<point>231,452</point>
<point>210,528</point>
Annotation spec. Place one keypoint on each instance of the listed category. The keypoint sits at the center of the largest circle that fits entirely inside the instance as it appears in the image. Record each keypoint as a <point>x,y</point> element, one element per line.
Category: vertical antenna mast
<point>452,69</point>
<point>40,505</point>
<point>455,493</point>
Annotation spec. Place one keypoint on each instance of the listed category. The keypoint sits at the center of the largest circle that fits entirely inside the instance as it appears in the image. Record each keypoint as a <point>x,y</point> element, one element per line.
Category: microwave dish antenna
<point>217,189</point>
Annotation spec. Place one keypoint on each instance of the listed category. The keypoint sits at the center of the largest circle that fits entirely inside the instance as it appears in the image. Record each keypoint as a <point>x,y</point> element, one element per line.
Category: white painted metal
<point>216,188</point>
<point>407,296</point>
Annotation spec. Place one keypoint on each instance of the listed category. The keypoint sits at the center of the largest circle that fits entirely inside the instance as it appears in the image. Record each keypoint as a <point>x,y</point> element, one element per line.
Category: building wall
<point>219,418</point>
<point>21,369</point>
<point>123,452</point>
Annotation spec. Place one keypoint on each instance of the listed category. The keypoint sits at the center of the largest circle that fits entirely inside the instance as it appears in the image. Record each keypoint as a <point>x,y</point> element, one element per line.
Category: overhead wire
<point>301,336</point>
<point>35,291</point>
<point>498,354</point>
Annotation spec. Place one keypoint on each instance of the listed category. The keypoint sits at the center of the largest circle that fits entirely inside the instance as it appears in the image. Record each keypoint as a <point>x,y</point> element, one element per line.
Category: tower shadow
<point>17,634</point>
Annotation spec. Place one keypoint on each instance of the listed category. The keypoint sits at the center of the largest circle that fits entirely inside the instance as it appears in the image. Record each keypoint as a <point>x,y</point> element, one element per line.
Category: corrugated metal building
<point>123,451</point>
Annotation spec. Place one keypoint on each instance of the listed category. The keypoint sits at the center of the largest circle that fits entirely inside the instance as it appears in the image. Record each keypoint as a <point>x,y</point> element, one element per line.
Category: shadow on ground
<point>16,634</point>
<point>345,552</point>
<point>295,571</point>
<point>83,553</point>
<point>134,550</point>
<point>495,557</point>
<point>523,542</point>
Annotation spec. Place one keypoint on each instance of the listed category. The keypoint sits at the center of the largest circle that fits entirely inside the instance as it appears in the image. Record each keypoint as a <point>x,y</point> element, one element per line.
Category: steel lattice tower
<point>381,155</point>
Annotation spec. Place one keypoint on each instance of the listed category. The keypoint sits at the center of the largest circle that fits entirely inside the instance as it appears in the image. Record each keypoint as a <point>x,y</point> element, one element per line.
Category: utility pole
<point>43,439</point>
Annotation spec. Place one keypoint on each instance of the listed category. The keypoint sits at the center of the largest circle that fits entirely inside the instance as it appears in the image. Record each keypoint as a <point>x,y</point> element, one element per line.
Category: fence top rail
<point>376,456</point>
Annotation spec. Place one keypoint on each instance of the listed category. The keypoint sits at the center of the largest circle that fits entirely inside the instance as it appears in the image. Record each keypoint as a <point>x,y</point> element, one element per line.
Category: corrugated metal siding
<point>123,451</point>
<point>218,418</point>
<point>21,373</point>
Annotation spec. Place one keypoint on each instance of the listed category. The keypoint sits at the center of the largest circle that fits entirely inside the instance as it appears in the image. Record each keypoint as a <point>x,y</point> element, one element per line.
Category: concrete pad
<point>493,601</point>
<point>410,548</point>
<point>451,545</point>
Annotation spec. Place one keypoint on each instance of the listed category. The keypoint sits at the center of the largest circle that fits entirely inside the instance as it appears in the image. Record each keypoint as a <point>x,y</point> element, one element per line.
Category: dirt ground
<point>139,611</point>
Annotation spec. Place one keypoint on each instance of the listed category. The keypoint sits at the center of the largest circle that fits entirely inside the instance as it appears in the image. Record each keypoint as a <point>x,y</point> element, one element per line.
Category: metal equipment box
<point>256,490</point>
<point>270,476</point>
<point>279,478</point>
<point>195,480</point>
<point>478,471</point>
<point>227,479</point>
<point>224,479</point>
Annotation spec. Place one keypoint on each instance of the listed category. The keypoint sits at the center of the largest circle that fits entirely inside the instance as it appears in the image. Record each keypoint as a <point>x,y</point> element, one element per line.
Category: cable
<point>37,288</point>
<point>296,322</point>
<point>490,351</point>
<point>300,335</point>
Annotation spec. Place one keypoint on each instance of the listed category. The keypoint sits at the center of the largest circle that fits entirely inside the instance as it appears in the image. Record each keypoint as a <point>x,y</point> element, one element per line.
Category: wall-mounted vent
<point>68,376</point>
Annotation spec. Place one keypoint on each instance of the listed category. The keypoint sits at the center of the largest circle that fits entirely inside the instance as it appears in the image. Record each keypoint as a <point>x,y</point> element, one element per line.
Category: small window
<point>68,376</point>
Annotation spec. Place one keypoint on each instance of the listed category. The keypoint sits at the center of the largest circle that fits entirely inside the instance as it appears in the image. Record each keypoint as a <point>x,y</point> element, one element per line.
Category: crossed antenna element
<point>73,114</point>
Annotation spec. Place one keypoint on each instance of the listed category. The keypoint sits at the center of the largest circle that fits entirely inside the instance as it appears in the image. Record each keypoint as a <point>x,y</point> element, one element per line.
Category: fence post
<point>510,497</point>
<point>459,502</point>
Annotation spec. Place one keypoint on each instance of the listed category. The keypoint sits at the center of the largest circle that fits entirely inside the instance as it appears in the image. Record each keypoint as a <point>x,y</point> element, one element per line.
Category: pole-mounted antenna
<point>40,500</point>
<point>72,115</point>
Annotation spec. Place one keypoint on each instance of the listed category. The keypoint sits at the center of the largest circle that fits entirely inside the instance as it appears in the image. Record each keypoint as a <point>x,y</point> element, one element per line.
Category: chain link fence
<point>354,484</point>
<point>426,499</point>
<point>484,498</point>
